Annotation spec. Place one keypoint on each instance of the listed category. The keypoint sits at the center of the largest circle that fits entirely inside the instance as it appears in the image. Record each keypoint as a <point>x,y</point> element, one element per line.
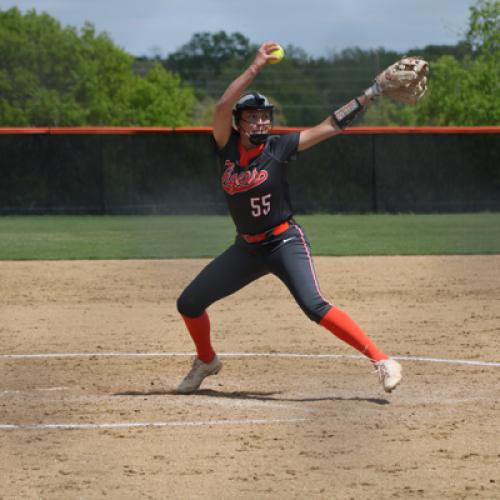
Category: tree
<point>57,76</point>
<point>347,73</point>
<point>483,35</point>
<point>294,91</point>
<point>461,91</point>
<point>461,94</point>
<point>156,99</point>
<point>466,92</point>
<point>211,61</point>
<point>202,59</point>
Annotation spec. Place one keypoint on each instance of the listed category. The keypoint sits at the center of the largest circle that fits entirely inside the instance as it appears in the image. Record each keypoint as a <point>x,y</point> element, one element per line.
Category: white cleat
<point>389,373</point>
<point>199,371</point>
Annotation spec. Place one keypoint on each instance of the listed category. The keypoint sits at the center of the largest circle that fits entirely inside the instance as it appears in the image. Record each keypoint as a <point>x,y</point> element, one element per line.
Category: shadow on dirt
<point>250,395</point>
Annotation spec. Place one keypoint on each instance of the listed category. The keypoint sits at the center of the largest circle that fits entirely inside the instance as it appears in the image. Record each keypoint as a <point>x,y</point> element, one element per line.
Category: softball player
<point>254,166</point>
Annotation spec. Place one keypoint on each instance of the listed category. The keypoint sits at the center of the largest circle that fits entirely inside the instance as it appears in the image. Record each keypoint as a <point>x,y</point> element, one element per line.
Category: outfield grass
<point>164,237</point>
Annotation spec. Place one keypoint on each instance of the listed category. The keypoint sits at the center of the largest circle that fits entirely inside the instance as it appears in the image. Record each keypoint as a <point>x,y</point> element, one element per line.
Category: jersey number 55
<point>261,205</point>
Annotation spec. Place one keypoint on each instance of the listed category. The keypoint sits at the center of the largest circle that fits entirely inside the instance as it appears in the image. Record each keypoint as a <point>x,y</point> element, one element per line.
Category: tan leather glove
<point>404,81</point>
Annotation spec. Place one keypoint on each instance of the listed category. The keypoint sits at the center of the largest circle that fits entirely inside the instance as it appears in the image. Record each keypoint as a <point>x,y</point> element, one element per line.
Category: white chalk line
<point>132,425</point>
<point>39,389</point>
<point>469,362</point>
<point>64,388</point>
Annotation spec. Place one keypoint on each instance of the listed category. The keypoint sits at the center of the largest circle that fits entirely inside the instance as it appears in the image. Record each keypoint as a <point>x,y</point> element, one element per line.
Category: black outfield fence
<point>108,171</point>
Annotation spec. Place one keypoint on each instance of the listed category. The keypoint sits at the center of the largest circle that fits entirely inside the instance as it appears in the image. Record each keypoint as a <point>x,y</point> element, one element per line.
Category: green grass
<point>163,237</point>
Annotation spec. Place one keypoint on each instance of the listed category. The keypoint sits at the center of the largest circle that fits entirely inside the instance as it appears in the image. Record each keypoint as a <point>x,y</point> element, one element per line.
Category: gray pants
<point>287,256</point>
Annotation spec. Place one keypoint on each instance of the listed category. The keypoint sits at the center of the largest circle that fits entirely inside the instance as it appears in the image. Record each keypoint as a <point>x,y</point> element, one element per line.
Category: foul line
<point>469,362</point>
<point>131,425</point>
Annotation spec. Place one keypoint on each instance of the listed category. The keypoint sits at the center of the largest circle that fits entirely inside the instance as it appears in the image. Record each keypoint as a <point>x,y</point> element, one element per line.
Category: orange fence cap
<point>208,130</point>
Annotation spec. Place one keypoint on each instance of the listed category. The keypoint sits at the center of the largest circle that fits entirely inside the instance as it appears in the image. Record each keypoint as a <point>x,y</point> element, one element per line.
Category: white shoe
<point>199,371</point>
<point>389,373</point>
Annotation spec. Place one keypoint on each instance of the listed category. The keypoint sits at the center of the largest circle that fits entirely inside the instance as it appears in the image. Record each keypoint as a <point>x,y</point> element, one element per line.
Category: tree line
<point>52,75</point>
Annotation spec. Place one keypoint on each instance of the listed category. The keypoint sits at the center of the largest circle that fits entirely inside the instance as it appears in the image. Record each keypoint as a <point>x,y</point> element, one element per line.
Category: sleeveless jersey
<point>255,182</point>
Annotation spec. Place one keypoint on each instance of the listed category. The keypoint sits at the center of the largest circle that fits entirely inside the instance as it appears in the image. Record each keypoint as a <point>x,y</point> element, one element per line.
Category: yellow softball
<point>278,54</point>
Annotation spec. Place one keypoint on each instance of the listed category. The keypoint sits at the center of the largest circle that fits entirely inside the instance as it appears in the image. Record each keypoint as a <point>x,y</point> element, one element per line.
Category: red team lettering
<point>233,183</point>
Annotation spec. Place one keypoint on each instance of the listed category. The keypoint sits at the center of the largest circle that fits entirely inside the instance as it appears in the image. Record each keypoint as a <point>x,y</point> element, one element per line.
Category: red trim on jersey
<point>248,154</point>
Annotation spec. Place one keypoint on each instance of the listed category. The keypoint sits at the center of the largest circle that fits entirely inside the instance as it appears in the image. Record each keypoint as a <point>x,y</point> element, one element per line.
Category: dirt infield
<point>101,423</point>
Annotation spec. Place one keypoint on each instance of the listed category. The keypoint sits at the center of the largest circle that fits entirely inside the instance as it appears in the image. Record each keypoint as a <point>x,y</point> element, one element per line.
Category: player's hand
<point>263,54</point>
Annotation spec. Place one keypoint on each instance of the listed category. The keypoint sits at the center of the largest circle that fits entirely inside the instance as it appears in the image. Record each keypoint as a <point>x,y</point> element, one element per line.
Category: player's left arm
<point>332,126</point>
<point>404,81</point>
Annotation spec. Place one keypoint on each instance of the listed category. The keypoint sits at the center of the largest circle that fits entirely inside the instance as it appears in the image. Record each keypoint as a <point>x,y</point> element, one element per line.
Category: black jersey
<point>255,182</point>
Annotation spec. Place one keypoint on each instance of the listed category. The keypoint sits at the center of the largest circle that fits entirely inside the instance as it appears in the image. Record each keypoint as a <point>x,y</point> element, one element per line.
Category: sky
<point>320,27</point>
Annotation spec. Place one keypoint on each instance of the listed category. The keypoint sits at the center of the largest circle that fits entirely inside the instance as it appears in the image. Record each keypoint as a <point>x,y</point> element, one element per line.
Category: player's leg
<point>224,275</point>
<point>293,264</point>
<point>344,327</point>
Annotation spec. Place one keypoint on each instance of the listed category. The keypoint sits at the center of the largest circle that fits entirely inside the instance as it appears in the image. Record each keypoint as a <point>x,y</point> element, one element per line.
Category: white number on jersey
<point>261,205</point>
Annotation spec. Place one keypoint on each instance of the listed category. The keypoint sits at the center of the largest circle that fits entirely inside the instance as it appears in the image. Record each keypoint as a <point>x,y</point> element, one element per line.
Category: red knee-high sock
<point>344,327</point>
<point>199,329</point>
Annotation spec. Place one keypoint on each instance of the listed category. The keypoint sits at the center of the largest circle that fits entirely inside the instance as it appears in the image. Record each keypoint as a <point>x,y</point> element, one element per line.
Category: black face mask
<point>258,139</point>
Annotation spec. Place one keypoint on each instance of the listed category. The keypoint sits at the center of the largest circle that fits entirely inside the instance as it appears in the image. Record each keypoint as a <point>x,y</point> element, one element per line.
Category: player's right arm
<point>223,116</point>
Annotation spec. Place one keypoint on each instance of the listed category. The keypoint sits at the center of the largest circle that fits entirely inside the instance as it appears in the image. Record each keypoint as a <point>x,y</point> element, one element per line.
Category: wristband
<point>373,91</point>
<point>346,114</point>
